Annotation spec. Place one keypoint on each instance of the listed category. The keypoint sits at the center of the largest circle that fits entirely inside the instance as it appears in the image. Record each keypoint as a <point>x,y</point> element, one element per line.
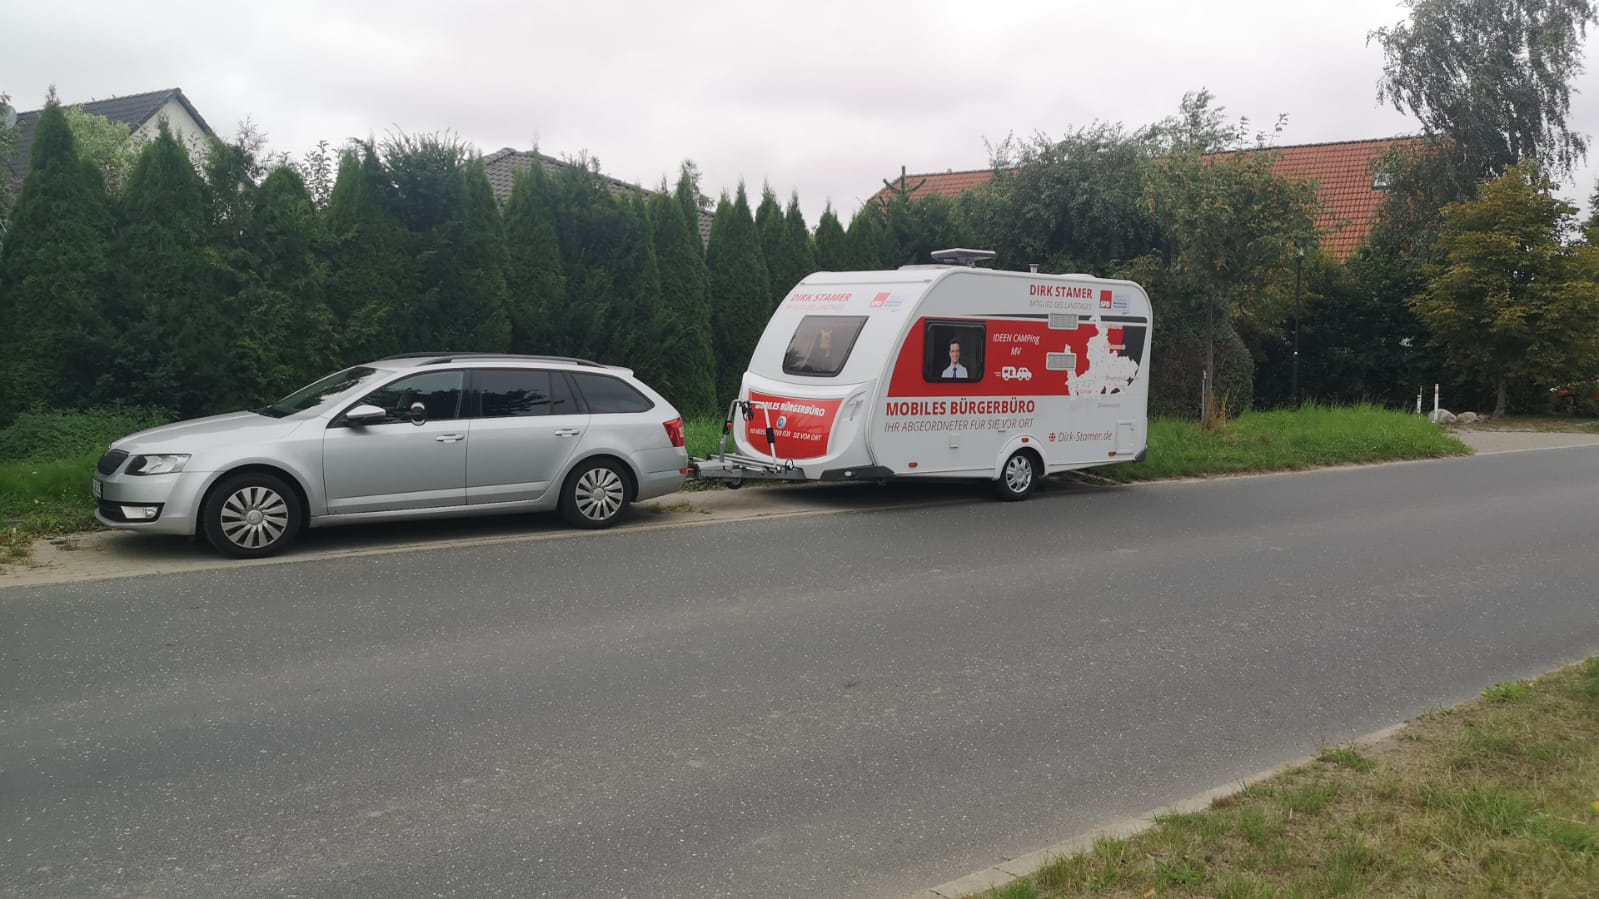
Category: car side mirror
<point>419,414</point>
<point>364,414</point>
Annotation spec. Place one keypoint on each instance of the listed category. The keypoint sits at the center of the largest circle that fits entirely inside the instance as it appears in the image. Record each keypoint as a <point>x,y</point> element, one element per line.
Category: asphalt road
<point>860,704</point>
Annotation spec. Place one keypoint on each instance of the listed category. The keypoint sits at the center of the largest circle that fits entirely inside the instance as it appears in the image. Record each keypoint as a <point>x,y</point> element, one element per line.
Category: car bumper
<point>663,479</point>
<point>124,501</point>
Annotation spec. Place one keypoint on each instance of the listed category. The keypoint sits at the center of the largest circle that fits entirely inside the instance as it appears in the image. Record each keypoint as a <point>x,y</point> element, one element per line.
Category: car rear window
<point>607,395</point>
<point>508,393</point>
<point>822,344</point>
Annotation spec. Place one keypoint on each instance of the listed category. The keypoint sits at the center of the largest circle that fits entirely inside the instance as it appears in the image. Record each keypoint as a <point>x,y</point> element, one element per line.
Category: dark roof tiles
<point>132,110</point>
<point>502,167</point>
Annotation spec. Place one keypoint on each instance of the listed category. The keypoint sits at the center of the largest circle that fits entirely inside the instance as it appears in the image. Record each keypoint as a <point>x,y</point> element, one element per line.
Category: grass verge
<point>40,499</point>
<point>1498,797</point>
<point>1309,437</point>
<point>46,460</point>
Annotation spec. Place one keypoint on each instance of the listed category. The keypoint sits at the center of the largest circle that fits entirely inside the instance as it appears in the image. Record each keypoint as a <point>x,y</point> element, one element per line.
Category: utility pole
<point>1299,265</point>
<point>1210,360</point>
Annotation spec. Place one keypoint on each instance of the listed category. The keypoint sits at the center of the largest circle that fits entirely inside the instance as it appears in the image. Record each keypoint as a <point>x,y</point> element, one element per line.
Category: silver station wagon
<point>412,436</point>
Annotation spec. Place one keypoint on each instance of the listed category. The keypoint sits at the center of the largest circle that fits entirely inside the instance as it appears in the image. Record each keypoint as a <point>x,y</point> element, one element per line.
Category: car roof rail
<point>443,358</point>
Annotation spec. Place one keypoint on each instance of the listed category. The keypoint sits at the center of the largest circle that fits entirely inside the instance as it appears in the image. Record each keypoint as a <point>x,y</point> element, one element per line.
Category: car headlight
<point>166,463</point>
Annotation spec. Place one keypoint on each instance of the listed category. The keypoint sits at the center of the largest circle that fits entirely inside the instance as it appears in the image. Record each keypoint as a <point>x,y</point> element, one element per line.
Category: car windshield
<point>314,395</point>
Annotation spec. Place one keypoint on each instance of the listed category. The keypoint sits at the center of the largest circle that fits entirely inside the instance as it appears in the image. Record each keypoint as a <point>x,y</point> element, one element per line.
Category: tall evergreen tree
<point>787,260</point>
<point>799,248</point>
<point>458,242</point>
<point>867,241</point>
<point>631,261</point>
<point>476,291</point>
<point>739,286</point>
<point>285,335</point>
<point>534,278</point>
<point>371,280</point>
<point>768,210</point>
<point>653,324</point>
<point>174,337</point>
<point>769,228</point>
<point>832,251</point>
<point>54,265</point>
<point>687,373</point>
<point>689,198</point>
<point>583,206</point>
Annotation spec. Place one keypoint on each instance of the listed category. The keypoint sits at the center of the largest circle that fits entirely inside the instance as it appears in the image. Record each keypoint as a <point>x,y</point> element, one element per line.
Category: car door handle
<point>450,438</point>
<point>568,432</point>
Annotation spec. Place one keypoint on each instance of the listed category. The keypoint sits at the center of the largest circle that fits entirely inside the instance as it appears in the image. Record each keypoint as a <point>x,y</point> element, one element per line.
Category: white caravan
<point>943,371</point>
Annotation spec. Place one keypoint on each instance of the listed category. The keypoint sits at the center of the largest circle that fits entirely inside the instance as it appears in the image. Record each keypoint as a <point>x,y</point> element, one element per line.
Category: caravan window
<point>821,344</point>
<point>954,352</point>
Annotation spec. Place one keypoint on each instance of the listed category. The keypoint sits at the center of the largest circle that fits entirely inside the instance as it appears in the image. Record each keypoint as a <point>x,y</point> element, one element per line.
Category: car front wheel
<point>595,495</point>
<point>249,516</point>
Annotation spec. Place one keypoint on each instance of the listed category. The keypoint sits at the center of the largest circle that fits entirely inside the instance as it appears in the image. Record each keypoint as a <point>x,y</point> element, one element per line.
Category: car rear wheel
<point>249,516</point>
<point>595,495</point>
<point>1019,478</point>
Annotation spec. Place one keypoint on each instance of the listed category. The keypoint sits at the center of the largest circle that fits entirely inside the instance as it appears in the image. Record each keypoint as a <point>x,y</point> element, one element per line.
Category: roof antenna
<point>962,256</point>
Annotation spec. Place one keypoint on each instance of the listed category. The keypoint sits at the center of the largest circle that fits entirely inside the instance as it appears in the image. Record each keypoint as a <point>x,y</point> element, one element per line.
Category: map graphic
<point>1108,370</point>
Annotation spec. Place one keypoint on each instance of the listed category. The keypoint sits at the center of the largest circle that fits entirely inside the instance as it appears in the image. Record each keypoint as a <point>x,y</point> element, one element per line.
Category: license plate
<point>97,487</point>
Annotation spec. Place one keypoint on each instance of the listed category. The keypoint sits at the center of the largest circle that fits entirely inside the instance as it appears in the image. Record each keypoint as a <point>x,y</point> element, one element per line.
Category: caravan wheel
<point>1019,478</point>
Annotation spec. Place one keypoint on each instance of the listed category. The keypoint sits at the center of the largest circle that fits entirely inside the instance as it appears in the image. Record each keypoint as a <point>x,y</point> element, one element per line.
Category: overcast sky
<point>823,97</point>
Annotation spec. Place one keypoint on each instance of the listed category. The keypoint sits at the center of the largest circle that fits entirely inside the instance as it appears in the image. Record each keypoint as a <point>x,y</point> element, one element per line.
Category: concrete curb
<point>1018,867</point>
<point>104,555</point>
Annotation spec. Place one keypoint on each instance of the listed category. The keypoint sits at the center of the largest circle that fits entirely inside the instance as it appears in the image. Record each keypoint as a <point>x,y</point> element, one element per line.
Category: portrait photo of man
<point>956,371</point>
<point>952,352</point>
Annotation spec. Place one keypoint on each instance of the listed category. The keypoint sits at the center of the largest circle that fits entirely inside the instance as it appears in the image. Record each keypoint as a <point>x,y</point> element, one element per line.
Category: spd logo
<point>1015,373</point>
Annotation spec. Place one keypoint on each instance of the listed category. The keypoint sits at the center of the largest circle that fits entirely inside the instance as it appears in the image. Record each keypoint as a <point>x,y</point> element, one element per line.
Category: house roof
<point>1343,172</point>
<point>502,167</point>
<point>132,110</point>
<point>1345,177</point>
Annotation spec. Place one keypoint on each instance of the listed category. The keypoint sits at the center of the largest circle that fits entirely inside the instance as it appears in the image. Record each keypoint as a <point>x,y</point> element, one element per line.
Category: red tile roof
<point>1343,172</point>
<point>1344,175</point>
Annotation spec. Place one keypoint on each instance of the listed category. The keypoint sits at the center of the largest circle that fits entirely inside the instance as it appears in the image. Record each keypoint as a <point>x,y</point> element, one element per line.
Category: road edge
<point>1018,867</point>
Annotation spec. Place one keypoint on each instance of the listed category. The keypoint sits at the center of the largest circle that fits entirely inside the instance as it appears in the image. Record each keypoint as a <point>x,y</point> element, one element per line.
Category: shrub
<point>46,436</point>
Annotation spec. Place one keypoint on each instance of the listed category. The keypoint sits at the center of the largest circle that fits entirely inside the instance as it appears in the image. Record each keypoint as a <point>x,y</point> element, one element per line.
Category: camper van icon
<point>1015,373</point>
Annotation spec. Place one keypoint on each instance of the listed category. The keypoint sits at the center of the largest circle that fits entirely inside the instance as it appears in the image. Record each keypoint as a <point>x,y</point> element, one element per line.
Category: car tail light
<point>674,431</point>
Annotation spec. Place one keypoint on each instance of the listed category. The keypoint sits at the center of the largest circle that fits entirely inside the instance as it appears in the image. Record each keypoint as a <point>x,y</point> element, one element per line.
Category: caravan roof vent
<point>959,256</point>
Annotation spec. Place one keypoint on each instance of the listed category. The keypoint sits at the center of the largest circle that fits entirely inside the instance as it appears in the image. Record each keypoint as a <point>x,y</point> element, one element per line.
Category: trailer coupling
<point>734,468</point>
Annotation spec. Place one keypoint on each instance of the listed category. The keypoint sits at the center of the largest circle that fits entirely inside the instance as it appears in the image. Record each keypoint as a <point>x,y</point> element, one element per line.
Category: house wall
<point>183,126</point>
